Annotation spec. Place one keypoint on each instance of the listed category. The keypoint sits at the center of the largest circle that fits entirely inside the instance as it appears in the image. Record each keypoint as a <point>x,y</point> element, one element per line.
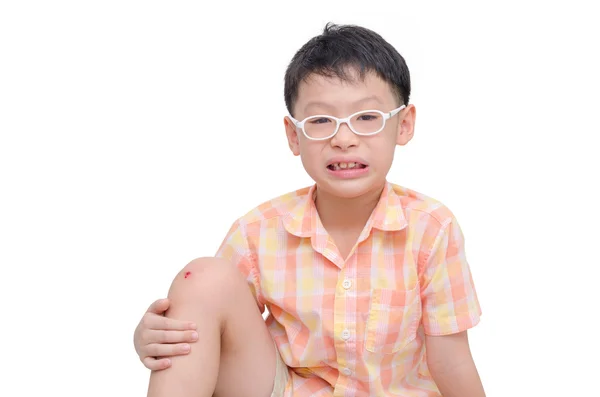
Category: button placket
<point>345,328</point>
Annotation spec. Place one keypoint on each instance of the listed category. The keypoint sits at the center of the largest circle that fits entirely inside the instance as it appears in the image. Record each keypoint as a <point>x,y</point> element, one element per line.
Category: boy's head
<point>342,72</point>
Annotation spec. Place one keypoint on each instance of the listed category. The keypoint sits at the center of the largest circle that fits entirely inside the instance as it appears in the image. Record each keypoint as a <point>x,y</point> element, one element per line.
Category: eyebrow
<point>329,106</point>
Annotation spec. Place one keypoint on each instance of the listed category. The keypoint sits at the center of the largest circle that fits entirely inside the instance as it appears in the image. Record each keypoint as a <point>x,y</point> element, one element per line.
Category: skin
<point>449,357</point>
<point>452,367</point>
<point>216,297</point>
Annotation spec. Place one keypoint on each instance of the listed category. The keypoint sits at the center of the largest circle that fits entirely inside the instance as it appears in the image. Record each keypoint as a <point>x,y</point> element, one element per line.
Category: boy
<point>367,286</point>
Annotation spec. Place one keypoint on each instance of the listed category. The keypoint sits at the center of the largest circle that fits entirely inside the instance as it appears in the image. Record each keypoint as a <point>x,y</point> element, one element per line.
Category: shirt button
<point>347,284</point>
<point>345,334</point>
<point>347,371</point>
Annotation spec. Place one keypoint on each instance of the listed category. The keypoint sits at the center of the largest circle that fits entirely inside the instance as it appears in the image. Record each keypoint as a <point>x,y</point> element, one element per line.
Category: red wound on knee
<point>187,274</point>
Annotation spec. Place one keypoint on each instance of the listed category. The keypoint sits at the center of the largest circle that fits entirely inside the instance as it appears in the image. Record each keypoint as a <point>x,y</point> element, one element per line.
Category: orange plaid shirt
<point>356,327</point>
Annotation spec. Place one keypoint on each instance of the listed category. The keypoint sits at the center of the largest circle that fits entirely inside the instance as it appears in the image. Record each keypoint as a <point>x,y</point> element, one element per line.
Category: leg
<point>234,355</point>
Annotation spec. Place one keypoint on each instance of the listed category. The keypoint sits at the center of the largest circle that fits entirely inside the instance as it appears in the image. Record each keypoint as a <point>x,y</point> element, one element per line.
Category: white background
<point>133,133</point>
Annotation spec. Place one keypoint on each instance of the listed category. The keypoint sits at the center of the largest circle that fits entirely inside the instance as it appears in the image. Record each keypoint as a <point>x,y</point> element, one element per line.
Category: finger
<point>166,350</point>
<point>156,364</point>
<point>162,336</point>
<point>156,322</point>
<point>159,306</point>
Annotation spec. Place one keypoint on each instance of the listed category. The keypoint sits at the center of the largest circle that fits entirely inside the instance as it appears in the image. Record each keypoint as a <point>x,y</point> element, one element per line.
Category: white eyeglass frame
<point>385,116</point>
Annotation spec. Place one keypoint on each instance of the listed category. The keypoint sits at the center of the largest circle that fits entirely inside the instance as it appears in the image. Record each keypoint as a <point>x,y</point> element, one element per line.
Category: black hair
<point>341,48</point>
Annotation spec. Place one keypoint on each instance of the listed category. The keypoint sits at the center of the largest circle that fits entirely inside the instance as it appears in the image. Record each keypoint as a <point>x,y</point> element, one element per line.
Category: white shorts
<point>281,376</point>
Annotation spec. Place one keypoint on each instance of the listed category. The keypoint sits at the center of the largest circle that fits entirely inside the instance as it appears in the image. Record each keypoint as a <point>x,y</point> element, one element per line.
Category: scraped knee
<point>207,277</point>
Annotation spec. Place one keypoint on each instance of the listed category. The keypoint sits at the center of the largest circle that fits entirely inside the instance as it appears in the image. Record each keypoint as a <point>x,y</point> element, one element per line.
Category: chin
<point>349,189</point>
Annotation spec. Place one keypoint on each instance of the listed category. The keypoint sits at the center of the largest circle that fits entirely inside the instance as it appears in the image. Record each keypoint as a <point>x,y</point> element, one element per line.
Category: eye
<point>320,120</point>
<point>368,117</point>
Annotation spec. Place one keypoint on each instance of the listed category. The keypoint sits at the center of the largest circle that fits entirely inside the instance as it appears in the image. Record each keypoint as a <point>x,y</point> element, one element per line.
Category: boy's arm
<point>450,307</point>
<point>451,365</point>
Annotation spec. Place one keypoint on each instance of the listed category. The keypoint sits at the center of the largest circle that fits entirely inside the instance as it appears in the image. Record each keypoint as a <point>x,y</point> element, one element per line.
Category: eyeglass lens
<point>361,123</point>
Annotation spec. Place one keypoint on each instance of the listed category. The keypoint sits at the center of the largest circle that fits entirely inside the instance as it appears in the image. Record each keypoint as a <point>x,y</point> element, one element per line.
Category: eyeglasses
<point>364,123</point>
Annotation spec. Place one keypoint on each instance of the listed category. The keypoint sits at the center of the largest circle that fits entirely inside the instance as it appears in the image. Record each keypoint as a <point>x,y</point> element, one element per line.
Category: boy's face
<point>372,155</point>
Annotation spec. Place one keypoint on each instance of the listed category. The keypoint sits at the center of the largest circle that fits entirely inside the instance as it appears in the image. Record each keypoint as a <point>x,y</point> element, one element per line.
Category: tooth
<point>343,166</point>
<point>351,165</point>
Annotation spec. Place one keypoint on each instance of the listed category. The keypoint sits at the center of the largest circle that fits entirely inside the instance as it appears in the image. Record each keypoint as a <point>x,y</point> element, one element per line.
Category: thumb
<point>160,306</point>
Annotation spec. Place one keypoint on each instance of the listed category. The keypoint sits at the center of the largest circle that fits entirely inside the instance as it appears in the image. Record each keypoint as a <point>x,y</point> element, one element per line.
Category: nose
<point>344,138</point>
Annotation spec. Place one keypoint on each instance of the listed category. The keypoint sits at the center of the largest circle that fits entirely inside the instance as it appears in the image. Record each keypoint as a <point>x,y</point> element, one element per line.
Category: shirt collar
<point>388,215</point>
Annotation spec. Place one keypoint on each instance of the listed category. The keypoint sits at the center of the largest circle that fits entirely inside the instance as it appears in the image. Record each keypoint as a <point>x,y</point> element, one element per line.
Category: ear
<point>406,126</point>
<point>292,136</point>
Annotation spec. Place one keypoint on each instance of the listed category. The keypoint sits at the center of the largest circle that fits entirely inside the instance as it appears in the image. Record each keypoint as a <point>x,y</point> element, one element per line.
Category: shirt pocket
<point>393,319</point>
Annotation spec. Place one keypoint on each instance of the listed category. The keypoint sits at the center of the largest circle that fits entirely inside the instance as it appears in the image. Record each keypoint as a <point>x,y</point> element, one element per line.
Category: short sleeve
<point>448,296</point>
<point>235,249</point>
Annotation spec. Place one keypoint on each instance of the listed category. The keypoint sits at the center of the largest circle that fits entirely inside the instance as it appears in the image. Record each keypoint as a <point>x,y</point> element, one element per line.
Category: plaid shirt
<point>356,327</point>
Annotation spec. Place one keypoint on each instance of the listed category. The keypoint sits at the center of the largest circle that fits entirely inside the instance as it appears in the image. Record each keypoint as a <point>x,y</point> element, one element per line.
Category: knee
<point>207,277</point>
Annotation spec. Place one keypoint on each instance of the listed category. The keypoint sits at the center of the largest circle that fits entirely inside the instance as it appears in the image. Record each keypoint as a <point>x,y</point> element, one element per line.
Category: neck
<point>338,213</point>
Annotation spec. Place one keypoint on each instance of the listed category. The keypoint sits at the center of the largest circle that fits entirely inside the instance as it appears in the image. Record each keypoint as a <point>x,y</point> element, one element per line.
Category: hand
<point>157,337</point>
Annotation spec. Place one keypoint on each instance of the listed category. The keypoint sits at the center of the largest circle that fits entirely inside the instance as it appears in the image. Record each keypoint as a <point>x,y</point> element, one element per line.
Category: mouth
<point>346,166</point>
